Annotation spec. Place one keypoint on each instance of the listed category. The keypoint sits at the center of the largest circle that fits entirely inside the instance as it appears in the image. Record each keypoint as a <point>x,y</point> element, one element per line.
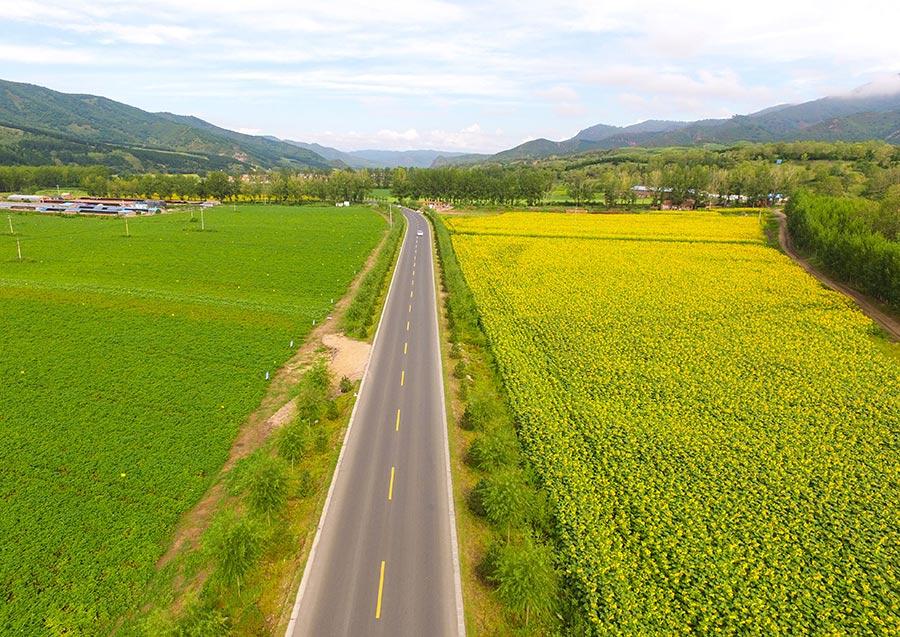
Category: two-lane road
<point>384,560</point>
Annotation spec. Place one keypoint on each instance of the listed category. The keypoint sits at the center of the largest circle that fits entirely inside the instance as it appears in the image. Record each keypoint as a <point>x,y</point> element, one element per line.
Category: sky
<point>475,76</point>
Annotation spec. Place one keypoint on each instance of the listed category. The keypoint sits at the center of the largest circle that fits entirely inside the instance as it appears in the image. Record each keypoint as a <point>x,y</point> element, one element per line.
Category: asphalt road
<point>384,561</point>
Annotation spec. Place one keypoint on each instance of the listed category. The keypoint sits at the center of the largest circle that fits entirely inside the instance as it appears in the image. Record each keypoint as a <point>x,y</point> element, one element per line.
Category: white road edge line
<point>454,543</point>
<point>295,612</point>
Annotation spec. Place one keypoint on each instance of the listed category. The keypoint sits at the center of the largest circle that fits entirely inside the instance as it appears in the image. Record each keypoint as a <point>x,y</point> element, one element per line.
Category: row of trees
<point>756,183</point>
<point>282,187</point>
<point>490,185</point>
<point>856,239</point>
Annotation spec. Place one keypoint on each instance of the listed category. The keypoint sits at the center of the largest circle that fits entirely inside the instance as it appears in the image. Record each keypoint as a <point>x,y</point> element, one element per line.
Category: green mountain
<point>377,158</point>
<point>866,113</point>
<point>41,126</point>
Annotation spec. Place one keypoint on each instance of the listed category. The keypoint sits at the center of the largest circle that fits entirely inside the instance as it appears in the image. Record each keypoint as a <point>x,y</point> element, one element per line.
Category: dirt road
<point>890,324</point>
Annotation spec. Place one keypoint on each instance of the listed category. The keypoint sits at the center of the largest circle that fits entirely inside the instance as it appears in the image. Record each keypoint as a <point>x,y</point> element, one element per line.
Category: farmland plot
<point>716,432</point>
<point>127,366</point>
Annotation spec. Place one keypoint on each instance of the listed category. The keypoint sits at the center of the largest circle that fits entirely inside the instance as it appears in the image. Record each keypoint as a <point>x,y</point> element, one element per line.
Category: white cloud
<point>42,54</point>
<point>415,72</point>
<point>471,138</point>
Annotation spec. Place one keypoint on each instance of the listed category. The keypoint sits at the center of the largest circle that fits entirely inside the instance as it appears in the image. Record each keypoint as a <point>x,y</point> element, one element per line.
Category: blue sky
<point>467,76</point>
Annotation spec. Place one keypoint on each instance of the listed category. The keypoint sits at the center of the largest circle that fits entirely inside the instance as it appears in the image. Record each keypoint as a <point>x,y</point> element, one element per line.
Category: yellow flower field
<point>717,432</point>
<point>682,226</point>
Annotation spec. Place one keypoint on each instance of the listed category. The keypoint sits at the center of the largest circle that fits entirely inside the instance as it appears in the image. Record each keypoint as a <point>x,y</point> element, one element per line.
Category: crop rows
<point>128,365</point>
<point>717,433</point>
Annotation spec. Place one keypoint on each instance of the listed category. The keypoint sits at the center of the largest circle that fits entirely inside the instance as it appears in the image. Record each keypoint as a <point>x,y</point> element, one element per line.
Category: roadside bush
<point>312,392</point>
<point>331,410</point>
<point>345,385</point>
<point>494,449</point>
<point>235,543</point>
<point>525,578</point>
<point>292,441</point>
<point>267,491</point>
<point>459,370</point>
<point>481,410</point>
<point>505,500</point>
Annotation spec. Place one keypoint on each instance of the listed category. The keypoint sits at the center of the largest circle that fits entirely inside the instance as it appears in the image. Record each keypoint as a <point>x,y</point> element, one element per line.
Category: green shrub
<point>494,449</point>
<point>292,441</point>
<point>345,385</point>
<point>481,410</point>
<point>235,543</point>
<point>525,578</point>
<point>267,489</point>
<point>505,500</point>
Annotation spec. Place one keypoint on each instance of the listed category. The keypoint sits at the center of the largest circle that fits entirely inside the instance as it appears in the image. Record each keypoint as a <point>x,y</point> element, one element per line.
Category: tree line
<point>856,239</point>
<point>271,187</point>
<point>488,185</point>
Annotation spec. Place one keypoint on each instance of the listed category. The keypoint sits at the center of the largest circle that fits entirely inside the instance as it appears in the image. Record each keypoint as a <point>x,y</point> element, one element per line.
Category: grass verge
<point>360,319</point>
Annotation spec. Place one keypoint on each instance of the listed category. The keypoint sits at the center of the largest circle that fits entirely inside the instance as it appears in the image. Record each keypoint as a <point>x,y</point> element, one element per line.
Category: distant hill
<point>377,158</point>
<point>41,126</point>
<point>869,112</point>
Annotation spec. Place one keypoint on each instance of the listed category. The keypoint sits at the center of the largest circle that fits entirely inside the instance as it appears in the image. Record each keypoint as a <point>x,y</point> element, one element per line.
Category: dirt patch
<point>277,408</point>
<point>348,356</point>
<point>869,307</point>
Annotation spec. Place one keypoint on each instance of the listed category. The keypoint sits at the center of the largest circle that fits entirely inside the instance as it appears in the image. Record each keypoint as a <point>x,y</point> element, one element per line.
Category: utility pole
<point>9,218</point>
<point>19,248</point>
<point>202,220</point>
<point>127,233</point>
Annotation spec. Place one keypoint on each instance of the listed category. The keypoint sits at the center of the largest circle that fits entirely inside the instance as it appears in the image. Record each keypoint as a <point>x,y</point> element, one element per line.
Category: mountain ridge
<point>376,158</point>
<point>861,114</point>
<point>40,125</point>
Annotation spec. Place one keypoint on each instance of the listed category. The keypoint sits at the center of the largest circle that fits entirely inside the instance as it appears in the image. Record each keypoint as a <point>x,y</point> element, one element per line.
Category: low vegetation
<point>131,363</point>
<point>242,577</point>
<point>361,317</point>
<point>712,429</point>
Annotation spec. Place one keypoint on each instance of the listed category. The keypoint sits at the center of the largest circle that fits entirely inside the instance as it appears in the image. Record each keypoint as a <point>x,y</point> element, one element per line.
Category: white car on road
<point>420,233</point>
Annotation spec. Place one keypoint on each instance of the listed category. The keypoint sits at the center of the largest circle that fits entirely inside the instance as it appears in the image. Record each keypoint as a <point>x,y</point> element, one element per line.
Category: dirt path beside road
<point>869,307</point>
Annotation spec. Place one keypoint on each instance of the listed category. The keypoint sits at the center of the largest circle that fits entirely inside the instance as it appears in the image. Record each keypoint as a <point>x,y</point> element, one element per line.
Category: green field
<point>128,365</point>
<point>717,433</point>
